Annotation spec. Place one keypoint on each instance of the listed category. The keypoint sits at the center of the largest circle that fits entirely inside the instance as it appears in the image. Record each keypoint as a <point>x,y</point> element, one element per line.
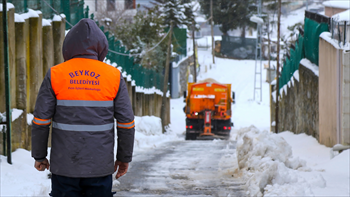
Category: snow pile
<point>267,162</point>
<point>148,133</point>
<point>21,178</point>
<point>148,125</point>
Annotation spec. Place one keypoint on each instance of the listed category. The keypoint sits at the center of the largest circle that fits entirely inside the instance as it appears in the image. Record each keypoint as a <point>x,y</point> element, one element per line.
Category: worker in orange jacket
<point>80,98</point>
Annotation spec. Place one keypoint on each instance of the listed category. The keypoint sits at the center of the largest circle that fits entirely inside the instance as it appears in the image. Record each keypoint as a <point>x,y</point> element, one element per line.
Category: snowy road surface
<point>182,168</point>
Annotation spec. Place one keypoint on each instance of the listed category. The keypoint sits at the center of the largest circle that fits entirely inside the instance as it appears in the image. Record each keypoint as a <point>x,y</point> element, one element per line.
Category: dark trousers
<point>81,187</point>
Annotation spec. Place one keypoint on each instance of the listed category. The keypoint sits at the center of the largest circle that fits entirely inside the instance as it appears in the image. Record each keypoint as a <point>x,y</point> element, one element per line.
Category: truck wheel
<point>191,136</point>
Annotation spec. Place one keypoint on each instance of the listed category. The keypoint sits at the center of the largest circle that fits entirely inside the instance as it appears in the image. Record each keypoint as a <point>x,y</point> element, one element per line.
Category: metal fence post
<point>7,82</point>
<point>344,41</point>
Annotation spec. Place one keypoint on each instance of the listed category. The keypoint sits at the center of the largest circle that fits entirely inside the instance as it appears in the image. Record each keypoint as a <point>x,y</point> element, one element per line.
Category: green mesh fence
<point>291,64</point>
<point>73,9</point>
<point>179,40</point>
<point>305,47</point>
<point>146,78</point>
<point>313,30</point>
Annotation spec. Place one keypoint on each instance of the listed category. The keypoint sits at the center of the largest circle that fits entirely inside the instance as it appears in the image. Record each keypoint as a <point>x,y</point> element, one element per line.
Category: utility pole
<point>212,30</point>
<point>7,82</point>
<point>269,45</point>
<point>278,63</point>
<point>166,75</point>
<point>194,53</point>
<point>258,54</point>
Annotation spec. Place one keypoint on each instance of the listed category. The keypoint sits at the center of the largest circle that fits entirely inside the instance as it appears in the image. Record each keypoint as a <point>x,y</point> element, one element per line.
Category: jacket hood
<point>85,40</point>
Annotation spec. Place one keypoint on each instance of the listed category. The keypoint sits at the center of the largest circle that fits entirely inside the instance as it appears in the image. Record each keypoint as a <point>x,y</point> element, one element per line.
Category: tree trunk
<point>243,32</point>
<point>278,62</point>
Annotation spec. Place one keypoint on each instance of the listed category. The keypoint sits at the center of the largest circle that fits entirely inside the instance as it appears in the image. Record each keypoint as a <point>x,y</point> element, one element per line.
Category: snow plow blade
<point>212,137</point>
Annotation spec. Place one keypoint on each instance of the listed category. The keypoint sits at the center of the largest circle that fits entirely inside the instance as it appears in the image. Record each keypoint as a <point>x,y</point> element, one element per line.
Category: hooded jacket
<point>80,98</point>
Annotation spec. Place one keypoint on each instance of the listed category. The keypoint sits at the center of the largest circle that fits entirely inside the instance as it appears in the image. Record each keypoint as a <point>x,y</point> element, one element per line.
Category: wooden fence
<point>33,49</point>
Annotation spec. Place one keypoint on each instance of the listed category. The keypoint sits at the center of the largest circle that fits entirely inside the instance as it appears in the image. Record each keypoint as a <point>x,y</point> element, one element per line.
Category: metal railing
<point>340,31</point>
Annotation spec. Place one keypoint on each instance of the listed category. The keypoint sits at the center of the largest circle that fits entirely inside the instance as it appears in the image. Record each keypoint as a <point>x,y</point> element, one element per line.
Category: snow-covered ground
<point>283,164</point>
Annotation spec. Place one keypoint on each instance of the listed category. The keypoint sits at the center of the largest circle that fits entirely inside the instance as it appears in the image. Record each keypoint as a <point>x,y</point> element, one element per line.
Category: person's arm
<point>43,112</point>
<point>125,128</point>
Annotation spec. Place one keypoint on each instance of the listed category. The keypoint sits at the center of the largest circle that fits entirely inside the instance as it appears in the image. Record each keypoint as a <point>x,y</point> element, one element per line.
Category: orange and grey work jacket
<point>80,98</point>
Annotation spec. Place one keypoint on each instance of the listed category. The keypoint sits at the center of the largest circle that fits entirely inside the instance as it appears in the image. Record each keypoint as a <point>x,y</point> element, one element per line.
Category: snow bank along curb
<point>267,163</point>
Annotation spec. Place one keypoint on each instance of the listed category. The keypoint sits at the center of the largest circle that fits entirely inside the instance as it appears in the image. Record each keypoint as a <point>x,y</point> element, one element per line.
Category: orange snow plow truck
<point>208,110</point>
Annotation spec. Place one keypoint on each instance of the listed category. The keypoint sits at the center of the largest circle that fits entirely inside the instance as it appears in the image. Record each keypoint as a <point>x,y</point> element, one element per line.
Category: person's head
<point>85,40</point>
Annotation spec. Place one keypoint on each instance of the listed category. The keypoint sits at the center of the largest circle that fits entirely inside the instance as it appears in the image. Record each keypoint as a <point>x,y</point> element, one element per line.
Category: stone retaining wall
<point>298,109</point>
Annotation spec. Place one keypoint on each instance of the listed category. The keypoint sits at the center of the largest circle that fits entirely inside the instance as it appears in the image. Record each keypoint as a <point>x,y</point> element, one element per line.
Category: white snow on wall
<point>343,16</point>
<point>30,14</point>
<point>274,96</point>
<point>38,12</point>
<point>133,83</point>
<point>344,4</point>
<point>128,77</point>
<point>15,113</point>
<point>19,18</point>
<point>327,36</point>
<point>274,82</point>
<point>9,6</point>
<point>305,62</point>
<point>30,118</point>
<point>46,22</point>
<point>58,17</point>
<point>296,75</point>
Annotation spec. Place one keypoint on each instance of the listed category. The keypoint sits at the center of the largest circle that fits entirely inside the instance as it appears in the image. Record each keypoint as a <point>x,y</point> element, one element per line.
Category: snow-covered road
<point>182,168</point>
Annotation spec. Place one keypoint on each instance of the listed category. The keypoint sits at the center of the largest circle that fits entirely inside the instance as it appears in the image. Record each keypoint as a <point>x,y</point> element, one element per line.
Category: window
<point>110,5</point>
<point>130,4</point>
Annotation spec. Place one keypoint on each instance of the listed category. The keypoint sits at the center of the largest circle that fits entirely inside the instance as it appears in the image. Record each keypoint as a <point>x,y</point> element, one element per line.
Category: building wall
<point>92,5</point>
<point>346,99</point>
<point>330,62</point>
<point>329,11</point>
<point>100,6</point>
